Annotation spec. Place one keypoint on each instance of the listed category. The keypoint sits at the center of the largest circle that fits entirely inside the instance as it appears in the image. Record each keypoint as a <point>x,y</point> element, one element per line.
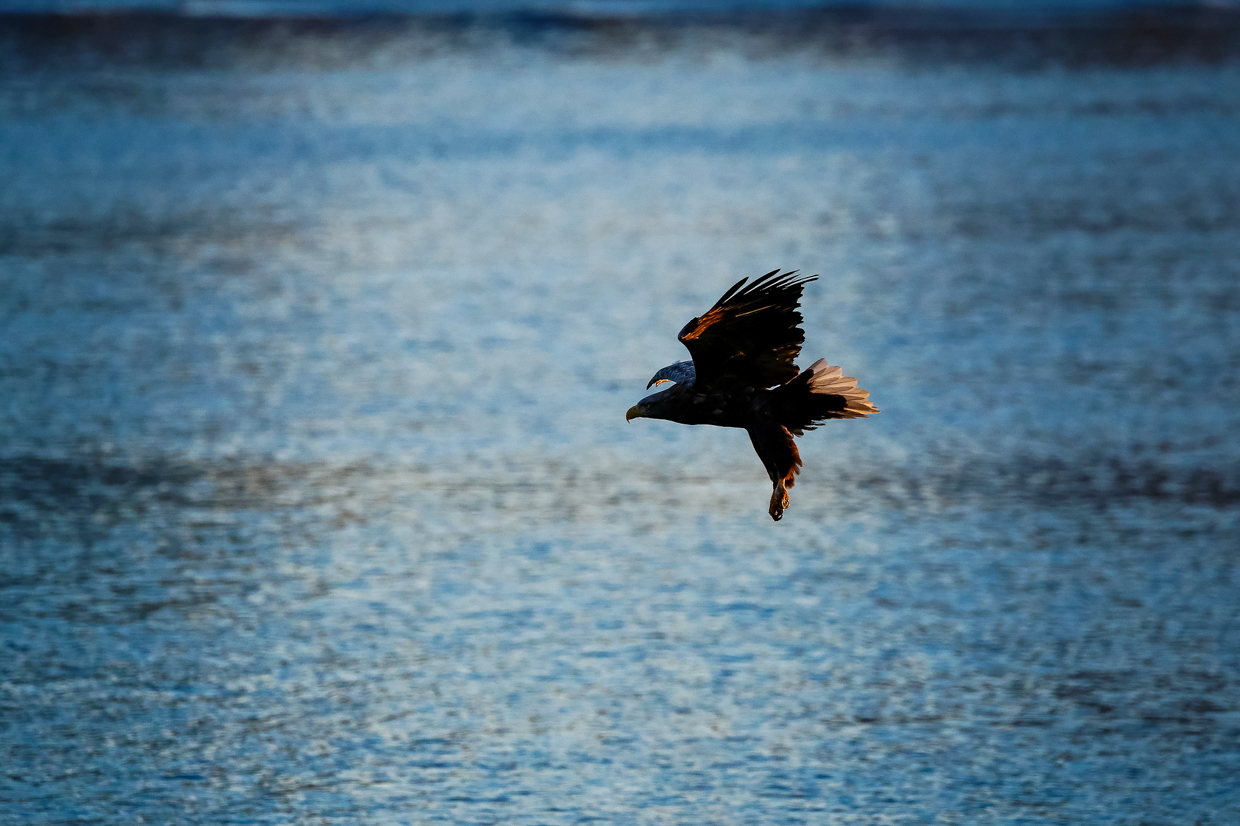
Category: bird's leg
<point>779,501</point>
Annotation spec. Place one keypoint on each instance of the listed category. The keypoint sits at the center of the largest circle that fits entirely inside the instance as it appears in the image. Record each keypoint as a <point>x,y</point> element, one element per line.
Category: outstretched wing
<point>752,335</point>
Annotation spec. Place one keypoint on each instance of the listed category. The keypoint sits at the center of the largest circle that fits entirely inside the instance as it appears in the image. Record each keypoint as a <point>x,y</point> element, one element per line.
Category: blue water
<point>317,501</point>
<point>333,8</point>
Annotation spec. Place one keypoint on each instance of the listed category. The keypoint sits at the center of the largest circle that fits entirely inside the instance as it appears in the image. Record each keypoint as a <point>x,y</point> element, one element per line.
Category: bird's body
<point>684,403</point>
<point>743,374</point>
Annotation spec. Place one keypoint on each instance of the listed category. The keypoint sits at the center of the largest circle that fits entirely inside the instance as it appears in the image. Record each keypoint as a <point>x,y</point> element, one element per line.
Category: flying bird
<point>744,374</point>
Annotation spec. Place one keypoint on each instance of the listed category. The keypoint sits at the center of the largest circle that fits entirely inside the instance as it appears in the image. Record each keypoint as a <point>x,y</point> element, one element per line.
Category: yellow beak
<point>634,413</point>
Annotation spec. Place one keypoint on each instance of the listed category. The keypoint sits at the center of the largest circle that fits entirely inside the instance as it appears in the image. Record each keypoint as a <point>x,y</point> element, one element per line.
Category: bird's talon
<point>779,501</point>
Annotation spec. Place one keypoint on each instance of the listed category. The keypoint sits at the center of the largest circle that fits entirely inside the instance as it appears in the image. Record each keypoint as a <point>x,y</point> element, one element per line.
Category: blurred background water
<point>317,502</point>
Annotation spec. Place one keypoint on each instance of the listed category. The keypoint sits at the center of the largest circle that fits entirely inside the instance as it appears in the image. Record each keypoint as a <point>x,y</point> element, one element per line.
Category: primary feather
<point>752,335</point>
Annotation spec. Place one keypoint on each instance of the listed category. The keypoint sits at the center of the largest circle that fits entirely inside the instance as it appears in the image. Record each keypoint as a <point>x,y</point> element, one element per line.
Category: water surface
<point>317,502</point>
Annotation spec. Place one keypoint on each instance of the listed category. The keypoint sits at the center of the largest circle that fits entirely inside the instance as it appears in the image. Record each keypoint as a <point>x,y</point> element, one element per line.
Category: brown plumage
<point>744,374</point>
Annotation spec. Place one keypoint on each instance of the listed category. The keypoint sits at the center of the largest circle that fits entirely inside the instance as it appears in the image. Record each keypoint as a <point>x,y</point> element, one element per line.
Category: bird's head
<point>656,405</point>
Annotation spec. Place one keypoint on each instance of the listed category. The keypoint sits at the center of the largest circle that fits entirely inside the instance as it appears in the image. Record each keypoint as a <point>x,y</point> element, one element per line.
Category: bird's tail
<point>819,393</point>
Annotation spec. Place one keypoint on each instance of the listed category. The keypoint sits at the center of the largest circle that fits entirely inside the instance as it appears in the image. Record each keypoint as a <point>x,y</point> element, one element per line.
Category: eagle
<point>744,374</point>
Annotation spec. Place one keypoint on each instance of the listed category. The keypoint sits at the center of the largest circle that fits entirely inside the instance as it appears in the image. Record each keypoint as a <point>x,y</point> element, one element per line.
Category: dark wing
<point>752,335</point>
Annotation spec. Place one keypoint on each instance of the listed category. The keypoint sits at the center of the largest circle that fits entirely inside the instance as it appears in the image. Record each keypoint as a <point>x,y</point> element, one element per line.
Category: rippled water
<point>317,501</point>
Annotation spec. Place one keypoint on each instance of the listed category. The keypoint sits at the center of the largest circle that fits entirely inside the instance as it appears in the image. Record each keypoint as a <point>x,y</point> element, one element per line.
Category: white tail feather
<point>831,381</point>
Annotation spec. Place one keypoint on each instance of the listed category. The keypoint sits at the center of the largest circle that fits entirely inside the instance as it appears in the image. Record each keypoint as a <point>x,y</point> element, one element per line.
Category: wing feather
<point>752,336</point>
